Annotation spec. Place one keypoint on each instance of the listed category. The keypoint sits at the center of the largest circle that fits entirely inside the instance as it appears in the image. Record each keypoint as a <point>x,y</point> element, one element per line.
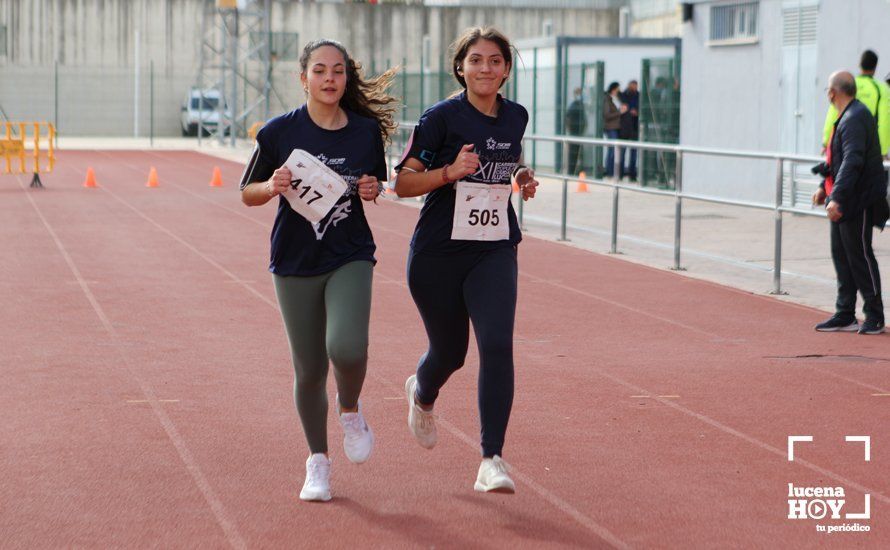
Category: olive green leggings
<point>326,316</point>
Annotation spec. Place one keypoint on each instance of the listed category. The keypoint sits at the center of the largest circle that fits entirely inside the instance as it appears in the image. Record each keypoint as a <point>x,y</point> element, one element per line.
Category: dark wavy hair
<point>364,96</point>
<point>465,41</point>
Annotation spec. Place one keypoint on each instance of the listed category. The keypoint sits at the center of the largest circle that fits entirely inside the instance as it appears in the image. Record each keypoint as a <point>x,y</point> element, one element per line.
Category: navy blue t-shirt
<point>298,246</point>
<point>441,132</point>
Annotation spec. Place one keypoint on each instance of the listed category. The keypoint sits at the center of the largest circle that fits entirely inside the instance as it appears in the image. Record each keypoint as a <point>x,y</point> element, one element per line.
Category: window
<point>283,46</point>
<point>734,23</point>
<point>210,103</point>
<point>800,25</point>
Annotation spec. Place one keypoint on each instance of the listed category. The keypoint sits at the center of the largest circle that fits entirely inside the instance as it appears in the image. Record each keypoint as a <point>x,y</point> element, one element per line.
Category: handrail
<point>778,206</point>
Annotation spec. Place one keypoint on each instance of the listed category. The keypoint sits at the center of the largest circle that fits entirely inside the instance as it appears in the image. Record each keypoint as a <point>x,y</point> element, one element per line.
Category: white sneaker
<point>358,439</point>
<point>318,479</point>
<point>493,477</point>
<point>421,423</point>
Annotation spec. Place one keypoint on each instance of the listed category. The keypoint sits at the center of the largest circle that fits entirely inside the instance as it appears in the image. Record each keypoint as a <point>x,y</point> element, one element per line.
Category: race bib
<point>314,188</point>
<point>480,212</point>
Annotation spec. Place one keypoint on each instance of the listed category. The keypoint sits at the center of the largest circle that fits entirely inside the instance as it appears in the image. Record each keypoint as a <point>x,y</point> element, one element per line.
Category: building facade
<point>754,78</point>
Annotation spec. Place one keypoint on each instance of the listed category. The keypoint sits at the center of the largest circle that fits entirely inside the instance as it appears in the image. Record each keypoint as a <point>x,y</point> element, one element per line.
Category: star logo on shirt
<point>490,143</point>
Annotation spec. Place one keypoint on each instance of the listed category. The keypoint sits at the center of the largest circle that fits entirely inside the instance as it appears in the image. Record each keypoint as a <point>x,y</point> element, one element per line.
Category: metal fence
<point>786,200</point>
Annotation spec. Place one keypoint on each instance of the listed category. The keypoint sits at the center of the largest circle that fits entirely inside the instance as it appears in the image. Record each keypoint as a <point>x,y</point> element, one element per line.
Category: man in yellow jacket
<point>874,94</point>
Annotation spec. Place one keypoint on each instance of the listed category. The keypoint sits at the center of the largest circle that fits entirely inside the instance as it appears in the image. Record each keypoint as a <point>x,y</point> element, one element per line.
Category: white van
<point>207,113</point>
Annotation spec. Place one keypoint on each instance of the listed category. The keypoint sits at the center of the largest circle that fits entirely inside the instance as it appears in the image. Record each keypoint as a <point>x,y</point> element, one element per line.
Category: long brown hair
<point>366,97</point>
<point>465,41</point>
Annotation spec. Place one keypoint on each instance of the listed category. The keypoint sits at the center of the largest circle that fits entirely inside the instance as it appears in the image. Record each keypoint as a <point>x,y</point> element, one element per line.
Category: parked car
<point>206,113</point>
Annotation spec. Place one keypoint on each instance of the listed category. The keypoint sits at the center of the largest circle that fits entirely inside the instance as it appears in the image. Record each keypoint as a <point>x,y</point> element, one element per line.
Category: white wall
<point>730,98</point>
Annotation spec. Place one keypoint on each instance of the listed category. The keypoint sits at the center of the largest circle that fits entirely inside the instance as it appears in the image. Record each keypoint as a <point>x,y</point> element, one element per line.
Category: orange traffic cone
<point>582,187</point>
<point>152,178</point>
<point>91,179</point>
<point>217,177</point>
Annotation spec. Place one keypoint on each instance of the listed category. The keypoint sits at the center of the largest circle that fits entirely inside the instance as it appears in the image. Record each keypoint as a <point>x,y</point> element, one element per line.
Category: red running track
<point>147,395</point>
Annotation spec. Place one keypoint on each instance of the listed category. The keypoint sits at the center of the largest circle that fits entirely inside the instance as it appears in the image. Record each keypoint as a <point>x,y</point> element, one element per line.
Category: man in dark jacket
<point>576,125</point>
<point>855,187</point>
<point>630,128</point>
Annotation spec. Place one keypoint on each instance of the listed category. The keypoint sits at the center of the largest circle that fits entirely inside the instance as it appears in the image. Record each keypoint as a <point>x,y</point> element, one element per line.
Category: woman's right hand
<point>466,163</point>
<point>280,181</point>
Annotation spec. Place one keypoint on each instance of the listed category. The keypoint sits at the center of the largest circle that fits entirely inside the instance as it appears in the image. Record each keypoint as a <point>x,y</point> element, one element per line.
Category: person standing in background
<point>855,189</point>
<point>874,94</point>
<point>613,108</point>
<point>630,128</point>
<point>576,125</point>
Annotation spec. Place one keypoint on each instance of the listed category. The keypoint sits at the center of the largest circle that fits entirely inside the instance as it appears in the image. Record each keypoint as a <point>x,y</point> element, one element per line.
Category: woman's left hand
<point>368,188</point>
<point>525,178</point>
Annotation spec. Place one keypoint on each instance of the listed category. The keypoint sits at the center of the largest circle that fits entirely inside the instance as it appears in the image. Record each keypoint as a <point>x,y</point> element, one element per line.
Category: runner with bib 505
<point>462,264</point>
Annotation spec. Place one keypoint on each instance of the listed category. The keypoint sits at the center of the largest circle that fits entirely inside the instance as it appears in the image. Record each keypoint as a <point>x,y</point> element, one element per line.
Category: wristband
<point>445,174</point>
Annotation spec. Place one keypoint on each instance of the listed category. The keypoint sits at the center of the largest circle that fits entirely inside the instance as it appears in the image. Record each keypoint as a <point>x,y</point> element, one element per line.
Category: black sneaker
<point>838,323</point>
<point>871,326</point>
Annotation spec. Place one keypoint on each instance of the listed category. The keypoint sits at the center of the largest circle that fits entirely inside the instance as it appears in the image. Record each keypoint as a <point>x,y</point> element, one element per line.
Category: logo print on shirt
<point>340,213</point>
<point>330,162</point>
<point>493,172</point>
<point>493,145</point>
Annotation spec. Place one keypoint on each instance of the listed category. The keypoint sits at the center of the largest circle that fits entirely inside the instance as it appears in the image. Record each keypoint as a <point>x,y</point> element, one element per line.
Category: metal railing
<point>778,206</point>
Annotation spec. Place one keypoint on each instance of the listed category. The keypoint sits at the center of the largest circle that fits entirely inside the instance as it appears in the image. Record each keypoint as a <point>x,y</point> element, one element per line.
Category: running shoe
<point>358,439</point>
<point>318,479</point>
<point>493,477</point>
<point>872,326</point>
<point>421,423</point>
<point>838,323</point>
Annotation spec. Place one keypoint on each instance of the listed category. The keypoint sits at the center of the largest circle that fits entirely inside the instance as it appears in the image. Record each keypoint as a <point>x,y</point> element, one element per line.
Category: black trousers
<point>856,266</point>
<point>450,291</point>
<point>574,158</point>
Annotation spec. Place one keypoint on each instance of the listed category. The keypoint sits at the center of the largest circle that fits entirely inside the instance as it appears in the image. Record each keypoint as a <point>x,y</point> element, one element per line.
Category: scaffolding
<point>236,64</point>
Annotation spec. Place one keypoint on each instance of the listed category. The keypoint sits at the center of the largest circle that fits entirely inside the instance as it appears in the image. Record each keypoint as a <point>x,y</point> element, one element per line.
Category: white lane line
<point>191,465</point>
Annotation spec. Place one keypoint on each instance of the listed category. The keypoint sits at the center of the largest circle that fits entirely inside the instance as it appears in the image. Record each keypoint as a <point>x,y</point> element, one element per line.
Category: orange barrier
<point>14,148</point>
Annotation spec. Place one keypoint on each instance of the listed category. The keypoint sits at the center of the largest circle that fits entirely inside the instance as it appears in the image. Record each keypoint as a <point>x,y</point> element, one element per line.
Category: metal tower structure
<point>236,64</point>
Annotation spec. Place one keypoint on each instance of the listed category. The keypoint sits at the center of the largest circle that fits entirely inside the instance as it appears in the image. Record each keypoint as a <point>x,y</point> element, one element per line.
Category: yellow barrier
<point>14,147</point>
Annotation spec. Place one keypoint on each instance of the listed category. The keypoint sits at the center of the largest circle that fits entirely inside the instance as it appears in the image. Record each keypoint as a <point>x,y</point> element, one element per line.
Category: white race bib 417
<point>314,188</point>
<point>480,212</point>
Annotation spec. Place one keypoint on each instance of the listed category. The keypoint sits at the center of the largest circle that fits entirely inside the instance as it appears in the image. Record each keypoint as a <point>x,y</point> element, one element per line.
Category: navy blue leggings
<point>449,292</point>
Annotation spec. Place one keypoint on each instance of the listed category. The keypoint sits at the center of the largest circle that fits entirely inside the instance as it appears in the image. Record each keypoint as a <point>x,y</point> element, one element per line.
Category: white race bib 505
<point>315,188</point>
<point>480,212</point>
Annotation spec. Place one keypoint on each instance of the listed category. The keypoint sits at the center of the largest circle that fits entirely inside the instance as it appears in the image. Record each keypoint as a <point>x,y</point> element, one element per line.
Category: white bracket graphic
<point>864,439</point>
<point>792,439</point>
<point>867,513</point>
